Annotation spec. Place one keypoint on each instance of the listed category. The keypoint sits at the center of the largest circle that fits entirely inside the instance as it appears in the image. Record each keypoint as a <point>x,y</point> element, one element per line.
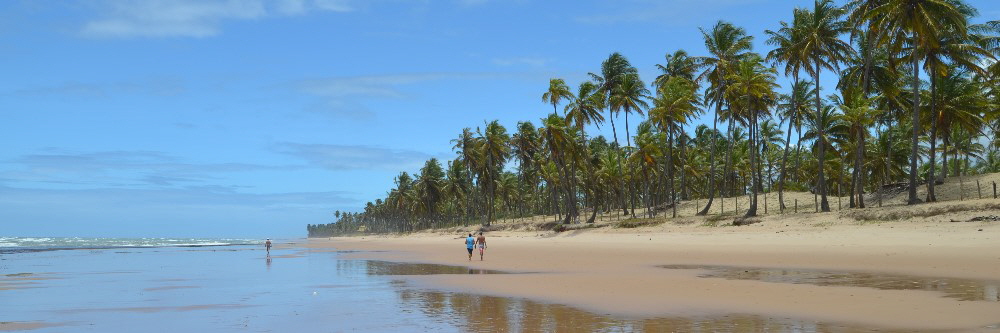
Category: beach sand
<point>934,274</point>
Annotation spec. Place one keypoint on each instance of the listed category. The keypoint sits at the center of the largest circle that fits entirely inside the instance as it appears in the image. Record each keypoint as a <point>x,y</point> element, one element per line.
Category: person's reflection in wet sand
<point>268,262</point>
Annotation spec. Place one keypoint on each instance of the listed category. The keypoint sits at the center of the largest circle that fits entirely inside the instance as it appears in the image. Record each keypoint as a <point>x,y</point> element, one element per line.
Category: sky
<point>253,118</point>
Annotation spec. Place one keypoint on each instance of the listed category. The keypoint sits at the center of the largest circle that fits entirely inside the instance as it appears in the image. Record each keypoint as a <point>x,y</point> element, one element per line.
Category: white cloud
<point>190,18</point>
<point>676,12</point>
<point>367,86</point>
<point>344,96</point>
<point>154,86</point>
<point>116,169</point>
<point>355,157</point>
<point>529,61</point>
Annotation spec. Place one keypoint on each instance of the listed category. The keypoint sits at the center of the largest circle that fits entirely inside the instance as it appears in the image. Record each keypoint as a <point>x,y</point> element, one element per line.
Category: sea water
<point>234,285</point>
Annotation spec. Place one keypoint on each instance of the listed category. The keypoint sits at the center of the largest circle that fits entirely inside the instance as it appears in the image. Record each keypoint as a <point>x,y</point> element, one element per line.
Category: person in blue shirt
<point>470,243</point>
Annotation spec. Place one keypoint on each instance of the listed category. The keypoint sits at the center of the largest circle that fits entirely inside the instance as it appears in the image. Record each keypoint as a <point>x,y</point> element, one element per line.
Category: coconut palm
<point>787,44</point>
<point>466,146</point>
<point>752,94</point>
<point>915,25</point>
<point>676,101</point>
<point>727,44</point>
<point>822,48</point>
<point>951,50</point>
<point>525,148</point>
<point>494,151</point>
<point>613,73</point>
<point>858,115</point>
<point>678,64</point>
<point>959,104</point>
<point>582,111</point>
<point>558,91</point>
<point>558,142</point>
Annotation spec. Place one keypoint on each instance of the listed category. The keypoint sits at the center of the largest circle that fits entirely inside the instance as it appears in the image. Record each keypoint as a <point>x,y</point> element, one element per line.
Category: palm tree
<point>466,147</point>
<point>858,116</point>
<point>558,91</point>
<point>787,42</point>
<point>822,48</point>
<point>429,186</point>
<point>727,44</point>
<point>770,140</point>
<point>917,25</point>
<point>677,101</point>
<point>959,104</point>
<point>584,110</point>
<point>525,148</point>
<point>752,88</point>
<point>613,72</point>
<point>558,143</point>
<point>494,151</point>
<point>630,96</point>
<point>678,64</point>
<point>952,50</point>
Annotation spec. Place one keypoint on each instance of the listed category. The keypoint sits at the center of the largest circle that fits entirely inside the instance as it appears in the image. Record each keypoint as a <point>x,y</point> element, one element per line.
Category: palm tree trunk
<point>710,190</point>
<point>798,153</point>
<point>684,187</point>
<point>945,140</point>
<point>788,141</point>
<point>670,171</point>
<point>858,165</point>
<point>824,204</point>
<point>752,211</point>
<point>934,120</point>
<point>915,113</point>
<point>727,182</point>
<point>621,176</point>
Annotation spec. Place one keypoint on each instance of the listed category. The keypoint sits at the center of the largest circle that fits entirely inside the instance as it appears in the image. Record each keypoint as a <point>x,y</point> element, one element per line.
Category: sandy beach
<point>916,273</point>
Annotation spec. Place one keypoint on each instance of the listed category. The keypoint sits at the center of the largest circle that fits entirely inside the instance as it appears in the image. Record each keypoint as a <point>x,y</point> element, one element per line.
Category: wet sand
<point>620,272</point>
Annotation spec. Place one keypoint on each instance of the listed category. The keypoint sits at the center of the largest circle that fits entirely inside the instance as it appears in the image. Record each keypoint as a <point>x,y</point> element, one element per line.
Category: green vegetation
<point>917,99</point>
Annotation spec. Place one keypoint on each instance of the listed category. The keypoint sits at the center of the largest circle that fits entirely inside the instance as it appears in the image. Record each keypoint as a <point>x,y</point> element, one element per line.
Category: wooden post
<point>765,203</point>
<point>979,189</point>
<point>796,205</point>
<point>994,190</point>
<point>816,202</point>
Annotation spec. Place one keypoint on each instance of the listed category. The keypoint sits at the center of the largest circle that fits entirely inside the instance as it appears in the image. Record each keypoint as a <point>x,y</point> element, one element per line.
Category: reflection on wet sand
<point>961,289</point>
<point>23,280</point>
<point>375,267</point>
<point>26,325</point>
<point>497,314</point>
<point>154,309</point>
<point>481,313</point>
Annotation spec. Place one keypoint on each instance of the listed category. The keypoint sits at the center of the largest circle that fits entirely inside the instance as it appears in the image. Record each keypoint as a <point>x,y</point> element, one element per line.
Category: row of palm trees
<point>882,120</point>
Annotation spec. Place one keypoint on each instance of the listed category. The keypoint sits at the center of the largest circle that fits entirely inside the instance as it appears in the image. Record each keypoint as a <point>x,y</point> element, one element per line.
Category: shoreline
<point>614,271</point>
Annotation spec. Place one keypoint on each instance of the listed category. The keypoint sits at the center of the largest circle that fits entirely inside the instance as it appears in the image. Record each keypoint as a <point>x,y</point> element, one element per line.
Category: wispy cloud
<point>156,87</point>
<point>355,157</point>
<point>517,61</point>
<point>345,97</point>
<point>674,12</point>
<point>117,169</point>
<point>192,18</point>
<point>203,211</point>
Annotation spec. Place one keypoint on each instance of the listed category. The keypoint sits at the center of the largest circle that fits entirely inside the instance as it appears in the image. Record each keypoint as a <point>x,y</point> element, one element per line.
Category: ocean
<point>31,244</point>
<point>234,285</point>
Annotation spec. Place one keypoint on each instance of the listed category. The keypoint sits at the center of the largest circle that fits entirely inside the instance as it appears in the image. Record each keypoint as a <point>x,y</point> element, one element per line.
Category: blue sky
<point>253,118</point>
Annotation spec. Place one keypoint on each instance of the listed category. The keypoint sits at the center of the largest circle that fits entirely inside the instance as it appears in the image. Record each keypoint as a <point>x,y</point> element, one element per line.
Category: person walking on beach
<point>267,245</point>
<point>470,243</point>
<point>481,243</point>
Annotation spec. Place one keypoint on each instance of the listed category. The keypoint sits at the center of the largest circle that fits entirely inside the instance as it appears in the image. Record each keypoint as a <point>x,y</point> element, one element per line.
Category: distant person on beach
<point>267,245</point>
<point>481,243</point>
<point>470,243</point>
